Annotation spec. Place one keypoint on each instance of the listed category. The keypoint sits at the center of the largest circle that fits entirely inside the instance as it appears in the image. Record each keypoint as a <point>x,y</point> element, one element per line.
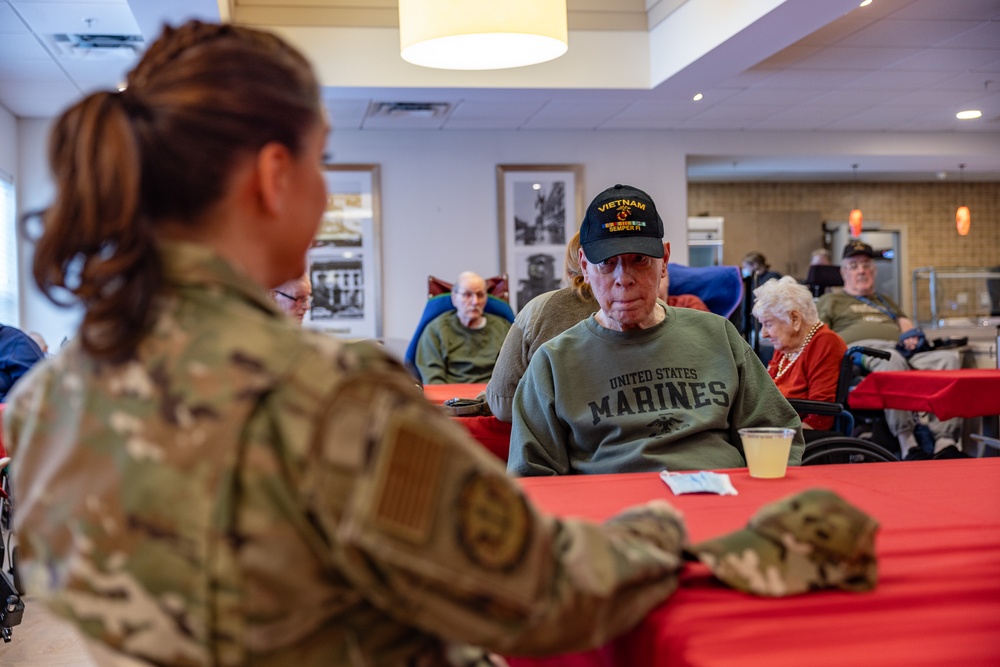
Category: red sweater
<point>687,301</point>
<point>814,375</point>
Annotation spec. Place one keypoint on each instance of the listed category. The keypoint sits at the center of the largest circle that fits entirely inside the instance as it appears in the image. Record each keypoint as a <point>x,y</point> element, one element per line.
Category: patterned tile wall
<point>926,210</point>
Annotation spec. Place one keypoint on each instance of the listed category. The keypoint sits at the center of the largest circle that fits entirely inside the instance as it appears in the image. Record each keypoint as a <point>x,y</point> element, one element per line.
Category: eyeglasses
<point>304,299</point>
<point>464,294</point>
<point>858,266</point>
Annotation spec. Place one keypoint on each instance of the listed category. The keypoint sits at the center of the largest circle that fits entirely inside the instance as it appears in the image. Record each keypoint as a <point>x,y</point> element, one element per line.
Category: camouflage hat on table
<point>809,541</point>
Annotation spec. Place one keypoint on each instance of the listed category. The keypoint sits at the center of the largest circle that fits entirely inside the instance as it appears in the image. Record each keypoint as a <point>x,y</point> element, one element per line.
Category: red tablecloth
<point>439,393</point>
<point>937,601</point>
<point>492,433</point>
<point>969,392</point>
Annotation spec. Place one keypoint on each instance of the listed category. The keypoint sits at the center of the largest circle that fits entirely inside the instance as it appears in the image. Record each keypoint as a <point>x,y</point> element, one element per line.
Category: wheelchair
<point>842,444</point>
<point>11,604</point>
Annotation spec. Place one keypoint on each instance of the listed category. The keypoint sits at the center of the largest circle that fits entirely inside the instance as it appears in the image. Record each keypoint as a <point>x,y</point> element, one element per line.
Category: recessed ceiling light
<point>865,3</point>
<point>697,97</point>
<point>968,115</point>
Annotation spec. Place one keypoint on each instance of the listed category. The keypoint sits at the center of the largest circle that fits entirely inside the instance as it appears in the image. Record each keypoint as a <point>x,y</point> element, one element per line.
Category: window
<point>8,252</point>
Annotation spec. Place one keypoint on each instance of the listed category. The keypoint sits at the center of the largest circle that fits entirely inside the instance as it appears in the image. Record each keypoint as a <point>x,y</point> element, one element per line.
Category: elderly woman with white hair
<point>807,353</point>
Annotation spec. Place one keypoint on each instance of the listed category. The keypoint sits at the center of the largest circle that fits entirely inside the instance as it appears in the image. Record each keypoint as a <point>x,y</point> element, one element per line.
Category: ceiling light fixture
<point>865,3</point>
<point>697,97</point>
<point>971,114</point>
<point>963,218</point>
<point>855,219</point>
<point>462,35</point>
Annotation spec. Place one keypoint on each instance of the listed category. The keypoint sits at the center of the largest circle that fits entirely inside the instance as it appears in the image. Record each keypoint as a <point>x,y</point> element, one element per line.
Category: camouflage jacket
<point>246,492</point>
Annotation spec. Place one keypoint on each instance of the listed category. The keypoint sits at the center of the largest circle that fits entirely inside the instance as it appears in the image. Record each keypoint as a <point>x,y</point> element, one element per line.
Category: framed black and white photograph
<point>345,260</point>
<point>539,209</point>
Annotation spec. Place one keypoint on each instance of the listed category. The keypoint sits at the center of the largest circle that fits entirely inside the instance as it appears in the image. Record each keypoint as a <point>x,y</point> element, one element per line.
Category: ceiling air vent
<point>98,46</point>
<point>408,109</point>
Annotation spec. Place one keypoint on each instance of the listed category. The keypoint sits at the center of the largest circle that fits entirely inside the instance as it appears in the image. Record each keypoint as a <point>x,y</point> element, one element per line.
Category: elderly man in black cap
<point>639,385</point>
<point>862,316</point>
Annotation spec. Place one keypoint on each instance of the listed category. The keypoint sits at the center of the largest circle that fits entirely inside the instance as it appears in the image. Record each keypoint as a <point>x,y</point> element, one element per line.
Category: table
<point>967,392</point>
<point>937,601</point>
<point>439,393</point>
<point>492,433</point>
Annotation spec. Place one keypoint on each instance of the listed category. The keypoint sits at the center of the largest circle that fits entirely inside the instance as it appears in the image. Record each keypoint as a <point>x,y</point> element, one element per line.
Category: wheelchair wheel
<point>845,450</point>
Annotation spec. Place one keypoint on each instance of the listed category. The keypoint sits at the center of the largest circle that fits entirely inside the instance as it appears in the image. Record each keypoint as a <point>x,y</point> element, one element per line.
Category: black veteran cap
<point>808,541</point>
<point>621,220</point>
<point>857,247</point>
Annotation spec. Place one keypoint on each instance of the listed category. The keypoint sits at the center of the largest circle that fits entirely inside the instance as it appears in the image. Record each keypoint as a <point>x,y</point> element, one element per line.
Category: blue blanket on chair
<point>720,287</point>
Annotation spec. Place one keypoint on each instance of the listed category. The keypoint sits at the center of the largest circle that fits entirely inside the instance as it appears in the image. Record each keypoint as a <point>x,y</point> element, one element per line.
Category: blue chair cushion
<point>720,287</point>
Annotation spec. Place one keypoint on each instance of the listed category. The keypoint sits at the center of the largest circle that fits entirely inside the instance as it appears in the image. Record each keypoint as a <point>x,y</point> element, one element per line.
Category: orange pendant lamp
<point>963,218</point>
<point>855,219</point>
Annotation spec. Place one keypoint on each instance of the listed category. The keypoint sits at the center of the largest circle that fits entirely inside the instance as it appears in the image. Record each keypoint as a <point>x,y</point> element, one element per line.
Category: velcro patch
<point>493,522</point>
<point>408,483</point>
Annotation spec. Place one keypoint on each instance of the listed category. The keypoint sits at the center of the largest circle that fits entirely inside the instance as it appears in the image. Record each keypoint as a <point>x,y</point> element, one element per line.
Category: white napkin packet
<point>699,482</point>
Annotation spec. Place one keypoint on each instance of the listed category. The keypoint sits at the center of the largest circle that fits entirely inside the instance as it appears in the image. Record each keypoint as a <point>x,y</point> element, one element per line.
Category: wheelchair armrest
<point>802,405</point>
<point>868,352</point>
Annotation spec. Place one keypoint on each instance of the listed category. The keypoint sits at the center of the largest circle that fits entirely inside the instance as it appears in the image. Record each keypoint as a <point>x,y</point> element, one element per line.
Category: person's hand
<point>910,338</point>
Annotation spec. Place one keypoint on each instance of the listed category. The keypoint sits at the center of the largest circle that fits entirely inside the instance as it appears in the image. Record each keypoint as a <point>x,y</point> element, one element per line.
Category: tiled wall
<point>925,210</point>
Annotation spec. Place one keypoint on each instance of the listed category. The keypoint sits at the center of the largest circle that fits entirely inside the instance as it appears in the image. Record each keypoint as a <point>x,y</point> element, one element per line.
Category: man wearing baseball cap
<point>639,385</point>
<point>862,316</point>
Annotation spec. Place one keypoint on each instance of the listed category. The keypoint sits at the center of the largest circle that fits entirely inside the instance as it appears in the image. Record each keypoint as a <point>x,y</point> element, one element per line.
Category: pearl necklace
<point>787,360</point>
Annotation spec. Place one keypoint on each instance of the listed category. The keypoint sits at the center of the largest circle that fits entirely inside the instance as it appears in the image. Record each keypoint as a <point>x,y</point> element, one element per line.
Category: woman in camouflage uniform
<point>200,481</point>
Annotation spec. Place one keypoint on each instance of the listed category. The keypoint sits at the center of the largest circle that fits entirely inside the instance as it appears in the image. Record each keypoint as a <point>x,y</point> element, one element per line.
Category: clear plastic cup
<point>767,450</point>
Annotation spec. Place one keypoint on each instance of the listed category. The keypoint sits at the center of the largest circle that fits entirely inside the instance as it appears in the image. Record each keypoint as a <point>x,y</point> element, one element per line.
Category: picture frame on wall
<point>539,209</point>
<point>345,260</point>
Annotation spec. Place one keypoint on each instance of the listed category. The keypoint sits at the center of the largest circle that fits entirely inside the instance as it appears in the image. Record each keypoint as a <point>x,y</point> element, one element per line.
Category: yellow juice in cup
<point>767,450</point>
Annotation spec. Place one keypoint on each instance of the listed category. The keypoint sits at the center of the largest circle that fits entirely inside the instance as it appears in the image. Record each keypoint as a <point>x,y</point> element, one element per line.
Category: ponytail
<point>96,244</point>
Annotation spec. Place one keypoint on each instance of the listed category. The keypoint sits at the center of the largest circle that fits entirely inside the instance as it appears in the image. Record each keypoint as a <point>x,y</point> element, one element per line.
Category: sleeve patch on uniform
<point>493,522</point>
<point>405,505</point>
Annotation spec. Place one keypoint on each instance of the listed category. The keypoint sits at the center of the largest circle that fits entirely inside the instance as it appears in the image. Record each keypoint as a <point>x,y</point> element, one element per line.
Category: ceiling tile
<point>810,79</point>
<point>771,96</point>
<point>916,34</point>
<point>38,71</point>
<point>895,80</point>
<point>22,47</point>
<point>10,23</point>
<point>108,18</point>
<point>981,10</point>
<point>859,58</point>
<point>983,36</point>
<point>947,60</point>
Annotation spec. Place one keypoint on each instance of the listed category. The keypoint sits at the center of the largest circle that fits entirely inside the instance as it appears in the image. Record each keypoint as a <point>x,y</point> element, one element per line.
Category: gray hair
<point>778,298</point>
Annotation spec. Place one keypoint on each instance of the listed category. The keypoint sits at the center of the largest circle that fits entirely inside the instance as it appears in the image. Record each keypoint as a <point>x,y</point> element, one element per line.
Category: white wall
<point>8,142</point>
<point>8,170</point>
<point>439,199</point>
<point>35,192</point>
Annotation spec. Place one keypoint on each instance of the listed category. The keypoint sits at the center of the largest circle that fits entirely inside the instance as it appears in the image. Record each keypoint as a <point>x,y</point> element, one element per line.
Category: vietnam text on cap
<point>621,220</point>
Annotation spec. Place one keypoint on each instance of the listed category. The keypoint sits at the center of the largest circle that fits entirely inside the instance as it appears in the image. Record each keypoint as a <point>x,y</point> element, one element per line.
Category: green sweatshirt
<point>448,352</point>
<point>670,397</point>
